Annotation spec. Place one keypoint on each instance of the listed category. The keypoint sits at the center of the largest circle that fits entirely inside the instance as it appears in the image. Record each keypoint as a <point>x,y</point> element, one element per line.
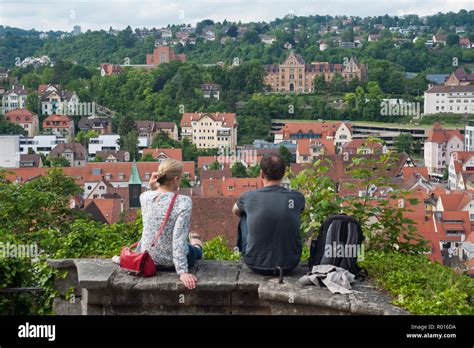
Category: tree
<point>84,137</point>
<point>406,143</point>
<point>214,166</point>
<point>452,39</point>
<point>348,35</point>
<point>254,171</point>
<point>130,144</point>
<point>238,170</point>
<point>126,125</point>
<point>233,31</point>
<point>286,154</point>
<point>32,102</point>
<point>8,128</point>
<point>148,157</point>
<point>163,141</point>
<point>59,161</point>
<point>319,83</point>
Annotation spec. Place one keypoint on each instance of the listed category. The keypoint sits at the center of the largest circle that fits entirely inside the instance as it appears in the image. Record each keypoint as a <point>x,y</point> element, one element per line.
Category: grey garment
<point>337,280</point>
<point>273,222</point>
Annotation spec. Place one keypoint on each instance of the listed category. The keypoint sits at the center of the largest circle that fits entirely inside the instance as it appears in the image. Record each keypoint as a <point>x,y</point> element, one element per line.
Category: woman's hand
<point>189,280</point>
<point>153,184</point>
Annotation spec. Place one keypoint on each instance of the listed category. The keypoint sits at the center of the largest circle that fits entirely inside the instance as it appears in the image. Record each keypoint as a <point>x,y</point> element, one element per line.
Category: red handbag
<point>141,264</point>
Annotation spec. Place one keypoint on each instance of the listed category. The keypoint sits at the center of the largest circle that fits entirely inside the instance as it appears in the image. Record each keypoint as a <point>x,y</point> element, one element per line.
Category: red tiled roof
<point>23,115</point>
<point>176,154</point>
<point>86,174</point>
<point>409,172</point>
<point>303,146</point>
<point>228,118</point>
<point>324,127</point>
<point>439,135</point>
<point>361,143</point>
<point>229,187</point>
<point>64,121</point>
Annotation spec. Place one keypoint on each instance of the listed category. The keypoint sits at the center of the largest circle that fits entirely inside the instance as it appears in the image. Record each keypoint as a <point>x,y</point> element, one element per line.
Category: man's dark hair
<point>273,166</point>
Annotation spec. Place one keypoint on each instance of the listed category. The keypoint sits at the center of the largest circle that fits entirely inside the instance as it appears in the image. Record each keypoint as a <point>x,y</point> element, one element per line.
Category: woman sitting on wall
<point>172,250</point>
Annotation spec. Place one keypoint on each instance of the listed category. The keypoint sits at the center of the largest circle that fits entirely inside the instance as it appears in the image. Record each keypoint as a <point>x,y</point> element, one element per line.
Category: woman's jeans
<point>194,254</point>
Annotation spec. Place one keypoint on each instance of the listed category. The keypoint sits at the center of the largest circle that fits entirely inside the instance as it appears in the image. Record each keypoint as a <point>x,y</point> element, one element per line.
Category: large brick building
<point>294,75</point>
<point>163,54</point>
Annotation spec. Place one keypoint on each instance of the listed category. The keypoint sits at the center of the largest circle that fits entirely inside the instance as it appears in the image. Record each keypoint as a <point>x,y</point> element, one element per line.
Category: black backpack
<point>338,243</point>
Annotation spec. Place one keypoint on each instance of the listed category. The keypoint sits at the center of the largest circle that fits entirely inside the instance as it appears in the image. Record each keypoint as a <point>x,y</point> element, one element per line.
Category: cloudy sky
<point>101,14</point>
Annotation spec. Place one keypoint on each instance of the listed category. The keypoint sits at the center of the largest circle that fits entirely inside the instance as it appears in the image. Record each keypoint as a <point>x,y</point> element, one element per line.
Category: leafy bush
<point>421,286</point>
<point>216,249</point>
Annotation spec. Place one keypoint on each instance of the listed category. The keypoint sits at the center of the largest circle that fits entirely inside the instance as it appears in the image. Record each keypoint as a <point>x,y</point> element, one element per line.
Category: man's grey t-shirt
<point>273,221</point>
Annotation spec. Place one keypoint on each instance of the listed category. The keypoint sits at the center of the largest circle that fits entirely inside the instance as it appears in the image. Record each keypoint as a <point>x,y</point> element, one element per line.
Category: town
<point>326,93</point>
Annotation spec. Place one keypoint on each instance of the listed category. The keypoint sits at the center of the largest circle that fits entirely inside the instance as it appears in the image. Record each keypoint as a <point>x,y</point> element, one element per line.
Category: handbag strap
<point>165,220</point>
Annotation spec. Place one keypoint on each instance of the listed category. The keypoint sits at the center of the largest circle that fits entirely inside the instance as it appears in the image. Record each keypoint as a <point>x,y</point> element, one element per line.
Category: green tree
<point>254,171</point>
<point>214,166</point>
<point>405,143</point>
<point>238,170</point>
<point>163,141</point>
<point>59,161</point>
<point>148,157</point>
<point>84,137</point>
<point>130,144</point>
<point>286,154</point>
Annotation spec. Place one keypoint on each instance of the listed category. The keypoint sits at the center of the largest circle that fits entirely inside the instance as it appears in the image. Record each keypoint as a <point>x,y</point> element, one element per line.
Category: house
<point>61,125</point>
<point>323,45</point>
<point>163,54</point>
<point>164,154</point>
<point>113,156</point>
<point>267,39</point>
<point>100,125</point>
<point>460,78</point>
<point>104,142</point>
<point>248,159</point>
<point>210,130</point>
<point>216,174</point>
<point>464,42</point>
<point>449,99</point>
<point>31,161</point>
<point>56,100</point>
<point>294,75</point>
<point>337,131</point>
<point>14,98</point>
<point>41,144</point>
<point>9,151</point>
<point>150,129</point>
<point>3,73</point>
<point>308,150</point>
<point>211,90</point>
<point>461,170</point>
<point>75,153</point>
<point>440,39</point>
<point>437,79</point>
<point>362,146</point>
<point>229,187</point>
<point>108,69</point>
<point>24,118</point>
<point>438,148</point>
<point>373,37</point>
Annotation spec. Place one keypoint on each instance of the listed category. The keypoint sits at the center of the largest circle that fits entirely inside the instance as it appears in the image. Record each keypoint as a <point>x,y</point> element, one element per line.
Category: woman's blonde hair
<point>168,170</point>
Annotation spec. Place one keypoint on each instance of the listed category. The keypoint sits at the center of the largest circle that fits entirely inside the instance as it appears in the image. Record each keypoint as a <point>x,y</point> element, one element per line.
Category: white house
<point>103,142</point>
<point>449,99</point>
<point>438,148</point>
<point>41,144</point>
<point>9,151</point>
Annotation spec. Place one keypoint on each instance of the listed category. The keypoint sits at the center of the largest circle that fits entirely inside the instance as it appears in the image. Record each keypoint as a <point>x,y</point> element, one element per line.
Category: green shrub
<point>419,285</point>
<point>216,249</point>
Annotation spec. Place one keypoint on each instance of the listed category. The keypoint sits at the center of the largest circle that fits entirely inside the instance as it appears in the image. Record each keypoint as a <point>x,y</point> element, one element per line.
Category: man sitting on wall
<point>269,228</point>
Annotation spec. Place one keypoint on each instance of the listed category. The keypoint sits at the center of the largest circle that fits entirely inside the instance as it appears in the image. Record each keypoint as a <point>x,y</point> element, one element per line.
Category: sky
<point>45,15</point>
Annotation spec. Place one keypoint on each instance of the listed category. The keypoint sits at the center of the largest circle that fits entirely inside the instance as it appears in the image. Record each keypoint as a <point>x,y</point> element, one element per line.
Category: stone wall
<point>224,287</point>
